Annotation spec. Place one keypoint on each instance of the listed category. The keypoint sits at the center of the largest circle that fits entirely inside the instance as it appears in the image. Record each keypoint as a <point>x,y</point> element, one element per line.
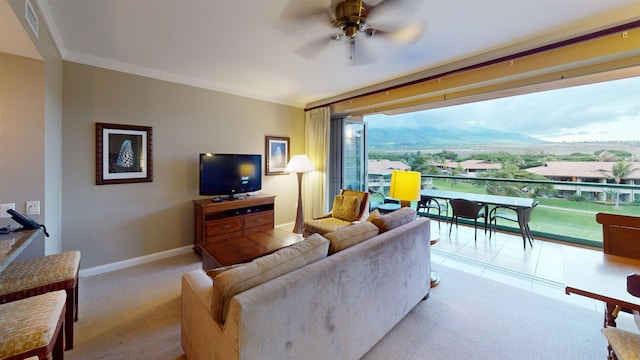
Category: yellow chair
<point>348,207</point>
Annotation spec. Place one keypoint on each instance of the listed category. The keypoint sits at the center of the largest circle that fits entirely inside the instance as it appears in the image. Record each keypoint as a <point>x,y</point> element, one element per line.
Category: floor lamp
<point>405,186</point>
<point>299,164</point>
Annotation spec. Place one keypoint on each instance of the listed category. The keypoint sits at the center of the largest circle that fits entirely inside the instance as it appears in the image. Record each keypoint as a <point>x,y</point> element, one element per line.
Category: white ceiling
<point>244,47</point>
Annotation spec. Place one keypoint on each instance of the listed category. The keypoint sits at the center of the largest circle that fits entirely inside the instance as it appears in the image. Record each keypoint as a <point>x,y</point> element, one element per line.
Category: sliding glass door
<point>348,156</point>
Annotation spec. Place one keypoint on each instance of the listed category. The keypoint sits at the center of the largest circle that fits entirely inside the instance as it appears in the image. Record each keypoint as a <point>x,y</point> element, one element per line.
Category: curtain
<point>316,143</point>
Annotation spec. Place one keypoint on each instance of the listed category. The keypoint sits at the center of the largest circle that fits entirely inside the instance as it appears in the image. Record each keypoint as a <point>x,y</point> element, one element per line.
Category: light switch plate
<point>4,208</point>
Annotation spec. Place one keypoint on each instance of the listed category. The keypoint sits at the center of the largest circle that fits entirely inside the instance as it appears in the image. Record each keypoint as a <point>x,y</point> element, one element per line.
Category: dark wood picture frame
<point>123,154</point>
<point>277,154</point>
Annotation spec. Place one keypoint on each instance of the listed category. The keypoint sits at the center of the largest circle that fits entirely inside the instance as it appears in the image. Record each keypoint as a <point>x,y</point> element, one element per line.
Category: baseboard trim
<point>145,259</point>
<point>135,261</point>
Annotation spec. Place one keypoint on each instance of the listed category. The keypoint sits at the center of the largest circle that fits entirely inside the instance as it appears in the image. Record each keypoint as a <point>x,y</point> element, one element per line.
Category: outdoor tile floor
<point>502,258</point>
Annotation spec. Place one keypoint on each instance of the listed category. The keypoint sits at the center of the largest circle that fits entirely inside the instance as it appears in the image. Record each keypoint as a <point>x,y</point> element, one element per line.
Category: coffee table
<point>246,248</point>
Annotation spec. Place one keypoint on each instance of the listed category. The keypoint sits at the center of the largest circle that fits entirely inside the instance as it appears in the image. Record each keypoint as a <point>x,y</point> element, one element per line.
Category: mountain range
<point>430,137</point>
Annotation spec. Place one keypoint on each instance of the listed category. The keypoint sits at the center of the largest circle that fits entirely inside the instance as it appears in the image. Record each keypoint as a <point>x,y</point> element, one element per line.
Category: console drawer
<point>258,220</point>
<point>221,237</point>
<point>223,226</point>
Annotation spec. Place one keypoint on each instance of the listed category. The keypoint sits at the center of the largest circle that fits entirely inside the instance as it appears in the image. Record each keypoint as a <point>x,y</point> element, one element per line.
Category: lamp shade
<point>299,164</point>
<point>405,185</point>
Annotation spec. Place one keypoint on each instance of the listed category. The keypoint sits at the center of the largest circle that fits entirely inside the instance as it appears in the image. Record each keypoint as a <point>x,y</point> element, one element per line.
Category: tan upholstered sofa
<point>319,306</point>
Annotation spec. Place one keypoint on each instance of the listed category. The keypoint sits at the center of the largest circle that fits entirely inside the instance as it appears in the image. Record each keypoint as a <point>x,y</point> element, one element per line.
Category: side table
<point>388,207</point>
<point>435,278</point>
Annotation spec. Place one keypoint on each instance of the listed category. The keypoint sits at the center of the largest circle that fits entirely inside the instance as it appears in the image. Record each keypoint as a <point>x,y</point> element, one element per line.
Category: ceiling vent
<point>31,17</point>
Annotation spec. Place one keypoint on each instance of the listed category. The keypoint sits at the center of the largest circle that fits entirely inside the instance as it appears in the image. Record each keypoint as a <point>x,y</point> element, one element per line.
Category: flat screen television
<point>230,174</point>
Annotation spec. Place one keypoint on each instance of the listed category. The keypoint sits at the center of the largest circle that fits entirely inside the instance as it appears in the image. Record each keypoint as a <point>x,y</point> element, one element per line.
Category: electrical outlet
<point>33,208</point>
<point>4,208</point>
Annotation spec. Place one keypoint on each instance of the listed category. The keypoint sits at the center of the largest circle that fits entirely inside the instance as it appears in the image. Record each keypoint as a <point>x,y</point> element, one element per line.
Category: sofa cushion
<point>323,226</point>
<point>346,208</point>
<point>350,235</point>
<point>234,281</point>
<point>394,219</point>
<point>219,270</point>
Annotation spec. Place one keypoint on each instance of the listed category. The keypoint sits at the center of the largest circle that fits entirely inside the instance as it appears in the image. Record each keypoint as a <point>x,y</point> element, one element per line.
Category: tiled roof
<point>582,169</point>
<point>474,165</point>
<point>383,167</point>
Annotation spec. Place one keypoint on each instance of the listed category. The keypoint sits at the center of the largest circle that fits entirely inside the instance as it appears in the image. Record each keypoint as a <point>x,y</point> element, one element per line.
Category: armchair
<point>348,207</point>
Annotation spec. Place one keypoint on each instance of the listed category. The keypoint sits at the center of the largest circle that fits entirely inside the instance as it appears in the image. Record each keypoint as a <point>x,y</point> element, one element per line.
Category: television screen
<point>229,174</point>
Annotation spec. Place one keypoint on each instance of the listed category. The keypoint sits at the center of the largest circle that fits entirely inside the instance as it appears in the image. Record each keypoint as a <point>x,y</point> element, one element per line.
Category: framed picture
<point>276,154</point>
<point>123,154</point>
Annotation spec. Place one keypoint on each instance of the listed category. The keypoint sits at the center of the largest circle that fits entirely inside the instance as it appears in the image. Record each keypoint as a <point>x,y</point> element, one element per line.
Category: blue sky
<point>608,111</point>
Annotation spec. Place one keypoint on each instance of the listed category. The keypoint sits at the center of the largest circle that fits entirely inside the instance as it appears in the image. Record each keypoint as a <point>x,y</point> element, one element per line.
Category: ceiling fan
<point>351,19</point>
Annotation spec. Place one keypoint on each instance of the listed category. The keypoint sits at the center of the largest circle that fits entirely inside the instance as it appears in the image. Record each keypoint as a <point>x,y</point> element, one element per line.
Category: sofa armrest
<point>202,336</point>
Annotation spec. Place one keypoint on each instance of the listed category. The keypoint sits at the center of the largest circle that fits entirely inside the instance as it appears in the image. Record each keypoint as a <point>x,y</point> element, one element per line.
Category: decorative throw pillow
<point>394,219</point>
<point>234,281</point>
<point>374,215</point>
<point>350,235</point>
<point>346,208</point>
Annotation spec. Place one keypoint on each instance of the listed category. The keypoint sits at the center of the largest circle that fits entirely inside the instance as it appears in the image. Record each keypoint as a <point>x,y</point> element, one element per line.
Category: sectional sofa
<point>326,297</point>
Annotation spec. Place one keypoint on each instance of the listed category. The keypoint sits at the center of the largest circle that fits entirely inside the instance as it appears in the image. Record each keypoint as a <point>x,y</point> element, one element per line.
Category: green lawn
<point>556,218</point>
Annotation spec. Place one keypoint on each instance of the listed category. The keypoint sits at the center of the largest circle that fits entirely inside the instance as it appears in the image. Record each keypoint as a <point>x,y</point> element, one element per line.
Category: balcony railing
<point>566,210</point>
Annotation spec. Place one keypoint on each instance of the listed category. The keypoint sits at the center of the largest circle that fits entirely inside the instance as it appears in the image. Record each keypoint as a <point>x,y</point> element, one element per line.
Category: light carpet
<point>135,314</point>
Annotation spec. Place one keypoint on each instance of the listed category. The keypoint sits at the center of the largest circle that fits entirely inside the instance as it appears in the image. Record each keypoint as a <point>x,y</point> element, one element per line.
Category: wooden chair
<point>624,345</point>
<point>23,279</point>
<point>621,237</point>
<point>33,327</point>
<point>620,234</point>
<point>342,213</point>
<point>463,208</point>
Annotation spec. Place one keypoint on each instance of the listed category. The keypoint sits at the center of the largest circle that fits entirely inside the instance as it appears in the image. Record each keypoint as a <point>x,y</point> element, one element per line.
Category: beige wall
<point>48,158</point>
<point>110,223</point>
<point>22,135</point>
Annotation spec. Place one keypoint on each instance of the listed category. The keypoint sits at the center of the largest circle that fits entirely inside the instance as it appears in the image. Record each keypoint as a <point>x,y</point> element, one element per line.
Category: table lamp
<point>299,164</point>
<point>405,186</point>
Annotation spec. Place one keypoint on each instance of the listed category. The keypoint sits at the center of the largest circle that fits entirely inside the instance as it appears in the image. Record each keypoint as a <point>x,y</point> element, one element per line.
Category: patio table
<point>516,203</point>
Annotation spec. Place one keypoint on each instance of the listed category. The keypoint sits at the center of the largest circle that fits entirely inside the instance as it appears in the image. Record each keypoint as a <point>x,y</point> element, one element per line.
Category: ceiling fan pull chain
<point>352,49</point>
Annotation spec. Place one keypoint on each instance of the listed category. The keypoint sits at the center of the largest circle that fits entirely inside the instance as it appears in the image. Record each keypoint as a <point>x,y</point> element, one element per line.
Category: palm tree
<point>620,170</point>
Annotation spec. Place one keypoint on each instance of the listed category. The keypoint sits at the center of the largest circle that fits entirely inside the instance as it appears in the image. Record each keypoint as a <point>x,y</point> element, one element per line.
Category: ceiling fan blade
<point>314,47</point>
<point>403,35</point>
<point>299,11</point>
<point>387,5</point>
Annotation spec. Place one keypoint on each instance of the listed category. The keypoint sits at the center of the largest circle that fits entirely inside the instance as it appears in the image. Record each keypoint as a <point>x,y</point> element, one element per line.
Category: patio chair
<point>427,203</point>
<point>466,209</point>
<point>522,216</point>
<point>375,199</point>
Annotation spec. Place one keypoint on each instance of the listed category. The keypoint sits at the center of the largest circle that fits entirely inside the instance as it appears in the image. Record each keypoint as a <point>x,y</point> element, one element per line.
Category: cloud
<point>603,111</point>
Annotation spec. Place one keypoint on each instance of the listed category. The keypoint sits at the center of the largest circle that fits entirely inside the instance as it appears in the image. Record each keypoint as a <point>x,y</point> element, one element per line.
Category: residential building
<point>470,167</point>
<point>588,172</point>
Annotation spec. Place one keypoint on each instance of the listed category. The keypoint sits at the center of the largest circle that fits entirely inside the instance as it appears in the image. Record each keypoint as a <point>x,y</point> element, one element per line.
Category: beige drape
<point>316,129</point>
